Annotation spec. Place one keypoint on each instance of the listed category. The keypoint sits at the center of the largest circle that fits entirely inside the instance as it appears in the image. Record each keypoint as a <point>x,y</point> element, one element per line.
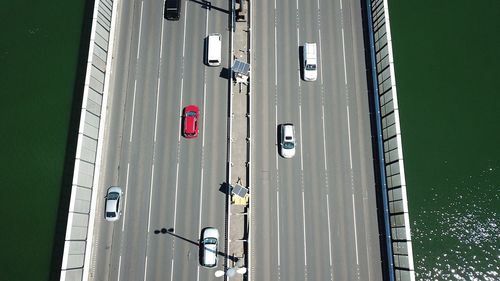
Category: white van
<point>310,62</point>
<point>214,48</point>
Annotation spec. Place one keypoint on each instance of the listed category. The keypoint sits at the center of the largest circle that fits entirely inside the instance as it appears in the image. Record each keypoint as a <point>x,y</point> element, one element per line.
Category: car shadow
<point>301,62</point>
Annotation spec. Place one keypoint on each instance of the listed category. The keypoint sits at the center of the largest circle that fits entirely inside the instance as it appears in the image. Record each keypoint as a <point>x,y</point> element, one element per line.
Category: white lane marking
<point>343,51</point>
<point>301,154</point>
<point>161,37</point>
<point>151,195</point>
<point>202,166</point>
<point>184,36</point>
<point>297,23</point>
<point>145,268</point>
<point>125,205</point>
<point>172,271</point>
<point>304,223</point>
<point>133,110</point>
<point>179,139</point>
<point>276,132</point>
<point>275,54</point>
<point>355,231</point>
<point>276,127</point>
<point>157,101</point>
<point>349,134</point>
<point>324,134</point>
<point>321,59</point>
<point>140,31</point>
<point>203,113</point>
<point>329,229</point>
<point>278,216</point>
<point>119,267</point>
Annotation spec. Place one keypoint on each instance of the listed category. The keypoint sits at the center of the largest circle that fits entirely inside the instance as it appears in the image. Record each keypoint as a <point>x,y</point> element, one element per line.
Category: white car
<point>310,62</point>
<point>113,197</point>
<point>287,140</point>
<point>209,243</point>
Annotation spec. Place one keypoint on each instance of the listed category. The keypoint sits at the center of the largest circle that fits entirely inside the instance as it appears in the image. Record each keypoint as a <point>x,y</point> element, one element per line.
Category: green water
<point>447,56</point>
<point>39,48</point>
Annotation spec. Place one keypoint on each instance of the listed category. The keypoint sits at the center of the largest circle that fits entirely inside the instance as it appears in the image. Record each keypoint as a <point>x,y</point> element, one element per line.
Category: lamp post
<point>231,271</point>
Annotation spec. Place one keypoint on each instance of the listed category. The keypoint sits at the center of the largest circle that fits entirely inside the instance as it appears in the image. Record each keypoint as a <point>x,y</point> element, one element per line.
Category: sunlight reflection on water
<point>459,234</point>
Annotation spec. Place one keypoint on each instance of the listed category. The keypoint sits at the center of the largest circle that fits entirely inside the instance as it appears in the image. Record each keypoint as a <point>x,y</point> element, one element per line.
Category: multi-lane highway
<point>169,182</point>
<point>314,216</point>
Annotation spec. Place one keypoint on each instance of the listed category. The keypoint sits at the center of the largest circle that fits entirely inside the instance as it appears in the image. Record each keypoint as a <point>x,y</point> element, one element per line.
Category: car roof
<point>211,232</point>
<point>210,250</point>
<point>288,129</point>
<point>190,122</point>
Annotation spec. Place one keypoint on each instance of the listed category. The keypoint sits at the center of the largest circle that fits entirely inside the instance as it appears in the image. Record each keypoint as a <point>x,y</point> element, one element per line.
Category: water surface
<point>38,65</point>
<point>447,70</point>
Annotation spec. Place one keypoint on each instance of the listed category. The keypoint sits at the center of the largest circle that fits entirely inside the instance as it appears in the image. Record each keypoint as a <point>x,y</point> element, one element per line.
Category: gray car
<point>113,197</point>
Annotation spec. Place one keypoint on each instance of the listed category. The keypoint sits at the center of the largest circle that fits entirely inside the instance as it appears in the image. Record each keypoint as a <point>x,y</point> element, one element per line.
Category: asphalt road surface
<point>314,216</point>
<point>172,185</point>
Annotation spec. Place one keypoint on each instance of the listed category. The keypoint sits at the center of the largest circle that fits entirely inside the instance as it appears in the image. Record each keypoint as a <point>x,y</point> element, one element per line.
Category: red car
<point>190,121</point>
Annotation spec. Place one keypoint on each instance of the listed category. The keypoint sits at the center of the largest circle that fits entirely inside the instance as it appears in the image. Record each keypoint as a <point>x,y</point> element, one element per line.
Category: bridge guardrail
<point>81,214</point>
<point>390,150</point>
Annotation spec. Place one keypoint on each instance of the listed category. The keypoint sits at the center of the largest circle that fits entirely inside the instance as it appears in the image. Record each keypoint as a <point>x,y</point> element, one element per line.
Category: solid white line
<point>172,271</point>
<point>355,231</point>
<point>324,135</point>
<point>304,222</point>
<point>151,195</point>
<point>145,267</point>
<point>202,143</point>
<point>175,200</point>
<point>301,154</point>
<point>161,37</point>
<point>276,126</point>
<point>157,101</point>
<point>278,216</point>
<point>184,36</point>
<point>140,31</point>
<point>179,138</point>
<point>320,56</point>
<point>343,51</point>
<point>125,205</point>
<point>349,134</point>
<point>329,229</point>
<point>133,110</point>
<point>119,268</point>
<point>203,113</point>
<point>202,165</point>
<point>275,55</point>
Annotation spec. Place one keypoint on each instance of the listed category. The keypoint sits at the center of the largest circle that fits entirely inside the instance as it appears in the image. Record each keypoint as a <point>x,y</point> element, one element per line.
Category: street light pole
<point>231,272</point>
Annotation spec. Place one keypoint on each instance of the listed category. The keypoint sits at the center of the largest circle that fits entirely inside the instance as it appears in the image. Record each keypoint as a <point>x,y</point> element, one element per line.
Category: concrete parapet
<point>391,150</point>
<point>79,228</point>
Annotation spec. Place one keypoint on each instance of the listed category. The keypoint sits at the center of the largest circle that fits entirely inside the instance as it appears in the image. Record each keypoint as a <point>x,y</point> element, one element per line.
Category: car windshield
<point>288,145</point>
<point>113,196</point>
<point>191,114</point>
<point>110,214</point>
<point>311,67</point>
<point>210,241</point>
